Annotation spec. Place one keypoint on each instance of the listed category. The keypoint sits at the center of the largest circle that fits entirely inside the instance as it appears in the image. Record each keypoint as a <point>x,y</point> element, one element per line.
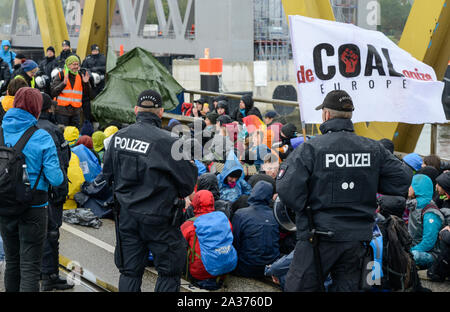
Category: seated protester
<point>208,181</point>
<point>241,202</point>
<point>388,144</point>
<point>270,166</point>
<point>222,108</point>
<point>88,162</point>
<point>256,233</point>
<point>76,179</point>
<point>248,164</point>
<point>71,135</point>
<point>203,203</point>
<point>433,161</point>
<point>442,197</point>
<point>7,102</point>
<point>288,131</point>
<point>97,139</point>
<point>246,108</point>
<point>186,109</point>
<point>425,221</point>
<point>430,172</point>
<point>440,269</point>
<point>218,148</point>
<point>87,141</point>
<point>231,180</point>
<point>87,128</point>
<point>414,161</point>
<point>262,177</point>
<point>216,102</point>
<point>198,107</point>
<point>259,150</point>
<point>109,131</point>
<point>210,129</point>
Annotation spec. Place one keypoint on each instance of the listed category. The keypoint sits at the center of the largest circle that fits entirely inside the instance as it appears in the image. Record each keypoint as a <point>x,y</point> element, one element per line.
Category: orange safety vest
<point>71,96</point>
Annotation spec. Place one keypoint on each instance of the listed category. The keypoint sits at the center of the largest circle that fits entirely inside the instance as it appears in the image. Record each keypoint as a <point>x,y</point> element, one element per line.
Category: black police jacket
<point>95,63</point>
<point>338,175</point>
<point>147,179</point>
<point>46,66</point>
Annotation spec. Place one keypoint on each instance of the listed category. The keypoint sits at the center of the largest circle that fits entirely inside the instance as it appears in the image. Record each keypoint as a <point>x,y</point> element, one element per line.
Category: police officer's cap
<point>95,47</point>
<point>338,100</point>
<point>66,42</point>
<point>149,99</point>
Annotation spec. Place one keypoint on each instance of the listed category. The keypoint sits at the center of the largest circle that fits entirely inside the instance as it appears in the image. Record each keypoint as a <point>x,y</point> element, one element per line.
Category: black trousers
<point>69,120</point>
<point>50,257</point>
<point>341,259</point>
<point>23,241</point>
<point>167,245</point>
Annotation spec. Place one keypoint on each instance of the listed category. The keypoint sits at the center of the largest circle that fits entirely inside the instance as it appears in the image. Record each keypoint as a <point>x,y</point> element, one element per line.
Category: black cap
<point>338,100</point>
<point>222,104</point>
<point>224,119</point>
<point>444,181</point>
<point>212,116</point>
<point>20,56</point>
<point>51,49</point>
<point>271,114</point>
<point>47,102</point>
<point>66,42</point>
<point>149,99</point>
<point>289,130</point>
<point>95,47</point>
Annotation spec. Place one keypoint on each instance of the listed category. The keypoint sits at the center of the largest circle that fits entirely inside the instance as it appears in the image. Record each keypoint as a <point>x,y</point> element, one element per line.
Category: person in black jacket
<point>246,108</point>
<point>208,181</point>
<point>50,257</point>
<point>65,53</point>
<point>148,183</point>
<point>96,63</point>
<point>5,76</point>
<point>46,66</point>
<point>337,175</point>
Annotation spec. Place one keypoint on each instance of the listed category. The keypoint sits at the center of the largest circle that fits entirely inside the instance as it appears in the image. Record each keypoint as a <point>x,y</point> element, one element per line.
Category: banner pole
<point>433,141</point>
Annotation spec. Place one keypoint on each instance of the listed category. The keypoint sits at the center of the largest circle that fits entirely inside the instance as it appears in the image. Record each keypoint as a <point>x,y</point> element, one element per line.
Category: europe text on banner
<point>385,82</point>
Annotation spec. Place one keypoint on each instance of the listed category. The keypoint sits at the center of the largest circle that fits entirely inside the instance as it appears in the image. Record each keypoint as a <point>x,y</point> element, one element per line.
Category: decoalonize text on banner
<point>385,82</point>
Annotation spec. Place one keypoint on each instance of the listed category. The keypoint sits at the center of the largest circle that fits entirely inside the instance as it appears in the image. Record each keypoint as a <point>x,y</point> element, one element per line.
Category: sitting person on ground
<point>203,203</point>
<point>433,161</point>
<point>89,163</point>
<point>222,108</point>
<point>76,179</point>
<point>71,135</point>
<point>430,172</point>
<point>216,101</point>
<point>218,148</point>
<point>109,132</point>
<point>440,269</point>
<point>89,143</point>
<point>288,132</point>
<point>208,181</point>
<point>256,233</point>
<point>246,108</point>
<point>414,161</point>
<point>425,221</point>
<point>231,180</point>
<point>271,165</point>
<point>442,197</point>
<point>97,139</point>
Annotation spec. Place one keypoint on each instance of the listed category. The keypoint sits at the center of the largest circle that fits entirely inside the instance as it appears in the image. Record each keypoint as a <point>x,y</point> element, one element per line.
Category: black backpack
<point>15,196</point>
<point>399,267</point>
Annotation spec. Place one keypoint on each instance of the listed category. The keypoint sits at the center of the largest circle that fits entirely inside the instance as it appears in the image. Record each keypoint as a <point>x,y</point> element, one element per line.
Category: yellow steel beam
<point>425,36</point>
<point>52,23</point>
<point>93,25</point>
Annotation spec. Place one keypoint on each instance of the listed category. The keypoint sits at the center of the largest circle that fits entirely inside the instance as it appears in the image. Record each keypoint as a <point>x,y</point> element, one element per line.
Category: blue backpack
<point>216,243</point>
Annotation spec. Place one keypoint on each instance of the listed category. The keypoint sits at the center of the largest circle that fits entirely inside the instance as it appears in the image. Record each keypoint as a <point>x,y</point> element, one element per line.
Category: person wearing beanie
<point>96,63</point>
<point>246,108</point>
<point>269,117</point>
<point>222,108</point>
<point>73,93</point>
<point>8,101</point>
<point>27,72</point>
<point>388,144</point>
<point>71,135</point>
<point>216,101</point>
<point>442,197</point>
<point>50,260</point>
<point>149,179</point>
<point>414,161</point>
<point>211,119</point>
<point>47,65</point>
<point>287,132</point>
<point>24,235</point>
<point>425,221</point>
<point>87,128</point>
<point>97,139</point>
<point>430,172</point>
<point>7,55</point>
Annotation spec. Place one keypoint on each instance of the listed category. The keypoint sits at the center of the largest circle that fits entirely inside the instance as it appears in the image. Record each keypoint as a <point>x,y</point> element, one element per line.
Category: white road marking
<point>87,237</point>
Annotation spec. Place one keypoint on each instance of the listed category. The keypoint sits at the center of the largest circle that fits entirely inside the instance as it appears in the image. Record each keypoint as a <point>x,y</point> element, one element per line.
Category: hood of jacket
<point>261,194</point>
<point>5,43</point>
<point>97,138</point>
<point>414,161</point>
<point>231,164</point>
<point>203,202</point>
<point>18,120</point>
<point>208,181</point>
<point>423,189</point>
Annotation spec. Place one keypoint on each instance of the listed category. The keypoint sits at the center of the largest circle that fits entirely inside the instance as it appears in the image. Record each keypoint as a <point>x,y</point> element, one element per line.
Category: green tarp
<point>134,72</point>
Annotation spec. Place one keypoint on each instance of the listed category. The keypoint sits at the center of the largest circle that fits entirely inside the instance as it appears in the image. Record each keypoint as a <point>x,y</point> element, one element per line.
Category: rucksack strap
<point>23,139</point>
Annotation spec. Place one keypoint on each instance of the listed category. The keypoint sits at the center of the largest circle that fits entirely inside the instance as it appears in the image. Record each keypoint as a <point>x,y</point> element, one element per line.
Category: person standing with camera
<point>331,182</point>
<point>73,93</point>
<point>149,187</point>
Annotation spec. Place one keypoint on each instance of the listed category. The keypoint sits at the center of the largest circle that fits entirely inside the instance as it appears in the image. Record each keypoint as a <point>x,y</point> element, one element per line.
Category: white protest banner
<point>385,82</point>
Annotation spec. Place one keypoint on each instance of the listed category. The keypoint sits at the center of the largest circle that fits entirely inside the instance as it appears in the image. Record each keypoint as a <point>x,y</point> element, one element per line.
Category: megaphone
<point>55,72</point>
<point>97,78</point>
<point>42,81</point>
<point>284,216</point>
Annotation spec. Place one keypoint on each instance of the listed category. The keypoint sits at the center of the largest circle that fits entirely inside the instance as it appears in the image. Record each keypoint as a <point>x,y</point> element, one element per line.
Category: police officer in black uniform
<point>65,53</point>
<point>57,196</point>
<point>46,66</point>
<point>96,63</point>
<point>336,177</point>
<point>148,182</point>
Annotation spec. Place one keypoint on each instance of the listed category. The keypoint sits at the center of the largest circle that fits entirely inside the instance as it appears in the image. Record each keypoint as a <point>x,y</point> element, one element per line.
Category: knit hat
<point>86,141</point>
<point>212,117</point>
<point>444,181</point>
<point>71,135</point>
<point>414,161</point>
<point>47,102</point>
<point>66,42</point>
<point>72,59</point>
<point>30,100</point>
<point>271,114</point>
<point>87,128</point>
<point>97,140</point>
<point>289,130</point>
<point>430,172</point>
<point>29,65</point>
<point>224,119</point>
<point>110,131</point>
<point>51,49</point>
<point>21,56</point>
